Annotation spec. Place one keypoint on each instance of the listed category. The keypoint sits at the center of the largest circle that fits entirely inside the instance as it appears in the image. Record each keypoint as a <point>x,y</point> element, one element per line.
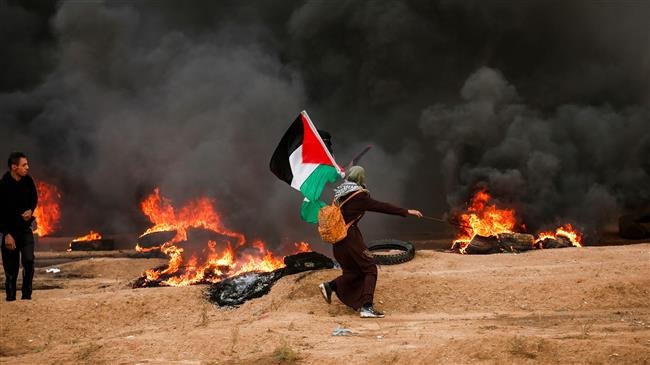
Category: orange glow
<point>92,236</point>
<point>484,219</point>
<point>144,249</point>
<point>212,261</point>
<point>302,247</point>
<point>567,231</point>
<point>47,212</point>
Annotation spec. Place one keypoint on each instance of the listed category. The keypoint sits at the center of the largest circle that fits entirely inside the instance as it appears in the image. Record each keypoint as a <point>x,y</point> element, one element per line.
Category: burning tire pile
<point>512,242</point>
<point>486,229</point>
<point>201,250</point>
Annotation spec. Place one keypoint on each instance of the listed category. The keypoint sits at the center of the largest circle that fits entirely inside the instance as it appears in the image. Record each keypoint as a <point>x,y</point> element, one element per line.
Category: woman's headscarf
<point>355,179</point>
<point>357,175</point>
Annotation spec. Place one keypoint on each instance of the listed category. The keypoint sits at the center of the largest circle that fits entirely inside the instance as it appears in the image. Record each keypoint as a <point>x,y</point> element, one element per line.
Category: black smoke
<point>544,103</point>
<point>578,164</point>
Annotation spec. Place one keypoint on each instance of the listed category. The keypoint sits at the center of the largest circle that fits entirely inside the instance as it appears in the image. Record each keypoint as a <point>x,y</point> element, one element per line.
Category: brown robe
<point>356,286</point>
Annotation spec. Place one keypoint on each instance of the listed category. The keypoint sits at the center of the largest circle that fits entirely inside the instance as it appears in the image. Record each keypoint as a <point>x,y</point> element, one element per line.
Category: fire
<point>567,231</point>
<point>484,219</point>
<point>217,258</point>
<point>302,247</point>
<point>92,236</point>
<point>47,212</point>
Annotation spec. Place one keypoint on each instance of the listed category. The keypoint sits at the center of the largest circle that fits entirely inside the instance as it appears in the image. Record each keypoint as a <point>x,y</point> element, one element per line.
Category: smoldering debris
<point>237,290</point>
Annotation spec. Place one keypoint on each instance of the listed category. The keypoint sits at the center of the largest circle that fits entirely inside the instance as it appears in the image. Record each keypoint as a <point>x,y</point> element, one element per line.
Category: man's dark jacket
<point>15,198</point>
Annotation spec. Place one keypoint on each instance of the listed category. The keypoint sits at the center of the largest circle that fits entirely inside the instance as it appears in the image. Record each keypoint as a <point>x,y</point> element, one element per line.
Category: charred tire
<point>407,251</point>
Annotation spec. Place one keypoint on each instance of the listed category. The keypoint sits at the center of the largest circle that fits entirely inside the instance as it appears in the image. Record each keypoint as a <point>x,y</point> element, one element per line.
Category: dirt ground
<point>564,306</point>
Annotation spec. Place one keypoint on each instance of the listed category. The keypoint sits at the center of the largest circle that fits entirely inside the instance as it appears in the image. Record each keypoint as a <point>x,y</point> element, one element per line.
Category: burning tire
<point>101,244</point>
<point>154,239</point>
<point>391,251</point>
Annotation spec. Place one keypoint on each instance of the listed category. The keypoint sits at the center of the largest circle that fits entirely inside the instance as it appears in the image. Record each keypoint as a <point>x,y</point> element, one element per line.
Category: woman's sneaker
<point>370,312</point>
<point>326,291</point>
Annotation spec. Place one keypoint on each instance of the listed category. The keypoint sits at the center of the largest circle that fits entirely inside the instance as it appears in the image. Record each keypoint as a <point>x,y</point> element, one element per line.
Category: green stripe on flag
<point>312,189</point>
<point>309,210</point>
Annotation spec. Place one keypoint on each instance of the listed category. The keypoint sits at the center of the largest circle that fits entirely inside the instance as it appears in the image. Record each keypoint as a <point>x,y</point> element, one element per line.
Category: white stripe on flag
<point>299,169</point>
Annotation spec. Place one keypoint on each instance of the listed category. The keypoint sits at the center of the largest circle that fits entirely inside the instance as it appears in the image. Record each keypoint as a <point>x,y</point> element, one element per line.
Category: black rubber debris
<point>101,244</point>
<point>238,289</point>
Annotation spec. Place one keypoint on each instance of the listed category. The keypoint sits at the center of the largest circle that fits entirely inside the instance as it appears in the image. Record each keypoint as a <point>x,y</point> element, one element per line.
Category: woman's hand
<point>415,212</point>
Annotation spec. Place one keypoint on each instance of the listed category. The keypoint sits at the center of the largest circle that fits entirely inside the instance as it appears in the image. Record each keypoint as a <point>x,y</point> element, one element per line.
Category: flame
<point>47,212</point>
<point>92,236</point>
<point>567,231</point>
<point>139,248</point>
<point>484,219</point>
<point>302,247</point>
<point>230,255</point>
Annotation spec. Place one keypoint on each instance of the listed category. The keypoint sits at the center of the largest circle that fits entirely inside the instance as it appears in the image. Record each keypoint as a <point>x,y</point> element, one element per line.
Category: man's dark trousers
<point>23,253</point>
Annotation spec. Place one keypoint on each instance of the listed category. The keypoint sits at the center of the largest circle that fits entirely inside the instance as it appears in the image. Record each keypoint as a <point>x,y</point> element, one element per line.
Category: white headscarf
<point>346,188</point>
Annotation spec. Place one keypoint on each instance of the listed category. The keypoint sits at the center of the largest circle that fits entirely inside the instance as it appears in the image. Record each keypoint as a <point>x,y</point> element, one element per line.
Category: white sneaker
<point>370,312</point>
<point>326,291</point>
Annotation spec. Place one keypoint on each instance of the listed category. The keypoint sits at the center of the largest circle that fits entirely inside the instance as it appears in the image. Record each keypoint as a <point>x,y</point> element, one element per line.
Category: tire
<point>305,261</point>
<point>407,251</point>
<point>101,244</point>
<point>154,239</point>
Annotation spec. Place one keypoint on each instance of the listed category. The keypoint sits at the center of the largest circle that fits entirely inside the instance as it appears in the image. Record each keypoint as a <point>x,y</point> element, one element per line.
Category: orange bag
<point>331,225</point>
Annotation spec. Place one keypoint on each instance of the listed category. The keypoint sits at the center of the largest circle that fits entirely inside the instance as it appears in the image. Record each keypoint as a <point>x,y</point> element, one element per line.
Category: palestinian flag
<point>302,161</point>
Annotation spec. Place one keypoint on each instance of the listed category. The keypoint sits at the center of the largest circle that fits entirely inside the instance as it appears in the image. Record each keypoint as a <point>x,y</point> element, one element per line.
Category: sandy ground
<point>563,306</point>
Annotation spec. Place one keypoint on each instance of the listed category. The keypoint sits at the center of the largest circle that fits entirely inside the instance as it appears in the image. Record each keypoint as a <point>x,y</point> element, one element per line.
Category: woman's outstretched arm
<point>372,205</point>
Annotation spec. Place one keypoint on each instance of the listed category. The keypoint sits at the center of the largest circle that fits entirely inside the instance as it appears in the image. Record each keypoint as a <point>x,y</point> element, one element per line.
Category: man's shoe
<point>10,288</point>
<point>326,291</point>
<point>370,312</point>
<point>28,278</point>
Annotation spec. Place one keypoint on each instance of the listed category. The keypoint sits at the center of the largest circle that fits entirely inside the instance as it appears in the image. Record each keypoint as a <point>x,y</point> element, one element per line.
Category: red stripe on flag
<point>313,150</point>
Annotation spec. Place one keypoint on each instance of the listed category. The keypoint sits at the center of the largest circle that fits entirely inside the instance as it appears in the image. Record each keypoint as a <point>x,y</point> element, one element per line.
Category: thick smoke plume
<point>544,104</point>
<point>578,164</point>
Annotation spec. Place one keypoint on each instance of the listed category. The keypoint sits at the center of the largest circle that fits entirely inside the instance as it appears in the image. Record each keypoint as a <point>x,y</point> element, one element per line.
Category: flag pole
<point>446,221</point>
<point>357,158</point>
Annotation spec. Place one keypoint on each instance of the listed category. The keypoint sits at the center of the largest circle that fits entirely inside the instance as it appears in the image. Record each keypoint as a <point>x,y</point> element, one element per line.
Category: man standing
<point>18,200</point>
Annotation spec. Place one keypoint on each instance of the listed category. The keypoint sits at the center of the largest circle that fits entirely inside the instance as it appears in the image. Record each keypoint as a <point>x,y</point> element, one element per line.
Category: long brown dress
<point>356,286</point>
